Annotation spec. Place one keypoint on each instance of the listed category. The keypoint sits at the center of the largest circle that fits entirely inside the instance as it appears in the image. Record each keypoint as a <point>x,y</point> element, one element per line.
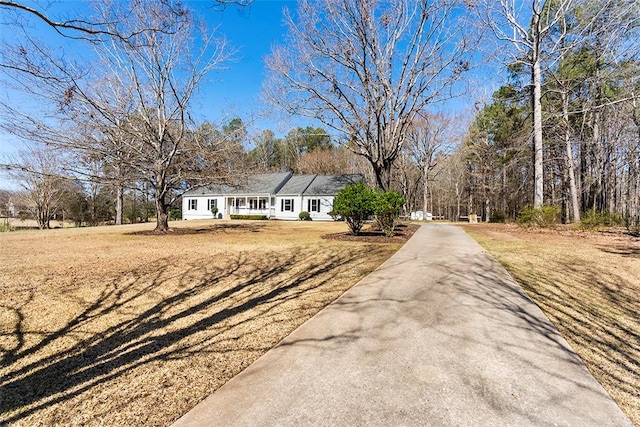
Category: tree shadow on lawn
<point>628,250</point>
<point>598,315</point>
<point>153,313</point>
<point>253,227</point>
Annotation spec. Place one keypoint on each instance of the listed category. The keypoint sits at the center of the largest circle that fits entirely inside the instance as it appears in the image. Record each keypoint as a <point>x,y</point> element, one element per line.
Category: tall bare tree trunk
<point>573,189</point>
<point>162,216</point>
<point>425,192</point>
<point>119,202</point>
<point>506,19</point>
<point>504,189</point>
<point>367,69</point>
<point>634,170</point>
<point>93,214</point>
<point>487,209</point>
<point>538,170</point>
<point>458,201</point>
<point>612,182</point>
<point>431,200</point>
<point>598,203</point>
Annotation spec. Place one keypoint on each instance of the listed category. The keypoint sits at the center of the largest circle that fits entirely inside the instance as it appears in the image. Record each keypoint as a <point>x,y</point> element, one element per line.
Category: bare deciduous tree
<point>366,68</point>
<point>450,186</point>
<point>39,174</point>
<point>74,28</point>
<point>527,26</point>
<point>323,161</point>
<point>430,134</point>
<point>162,72</point>
<point>132,110</point>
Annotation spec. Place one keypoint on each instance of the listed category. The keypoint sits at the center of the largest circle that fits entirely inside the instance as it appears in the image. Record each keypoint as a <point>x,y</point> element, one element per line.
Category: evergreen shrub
<point>251,217</point>
<point>354,203</point>
<point>545,217</point>
<point>595,220</point>
<point>386,208</point>
<point>304,216</point>
<point>174,214</point>
<point>498,217</point>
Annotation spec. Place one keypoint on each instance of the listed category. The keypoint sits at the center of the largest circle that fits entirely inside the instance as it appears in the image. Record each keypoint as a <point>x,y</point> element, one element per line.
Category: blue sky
<point>253,30</point>
<point>234,92</point>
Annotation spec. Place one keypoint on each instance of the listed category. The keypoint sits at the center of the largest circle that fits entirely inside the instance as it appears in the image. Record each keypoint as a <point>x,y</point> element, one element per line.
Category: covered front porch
<point>249,205</point>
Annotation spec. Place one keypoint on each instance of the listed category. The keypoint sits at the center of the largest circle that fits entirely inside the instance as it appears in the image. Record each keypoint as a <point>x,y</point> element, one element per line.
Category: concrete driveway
<point>439,335</point>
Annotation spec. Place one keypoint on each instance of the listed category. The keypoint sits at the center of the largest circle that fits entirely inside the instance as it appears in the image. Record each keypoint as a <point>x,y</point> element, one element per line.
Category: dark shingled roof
<point>329,185</point>
<point>296,185</point>
<point>283,184</point>
<point>268,183</point>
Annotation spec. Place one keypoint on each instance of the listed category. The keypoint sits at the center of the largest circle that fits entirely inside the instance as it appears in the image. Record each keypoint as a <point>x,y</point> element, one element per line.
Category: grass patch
<point>109,326</point>
<point>588,284</point>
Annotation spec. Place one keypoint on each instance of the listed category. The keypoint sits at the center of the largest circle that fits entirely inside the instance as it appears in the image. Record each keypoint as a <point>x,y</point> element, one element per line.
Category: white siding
<point>326,205</point>
<point>291,188</point>
<point>281,202</point>
<point>202,202</point>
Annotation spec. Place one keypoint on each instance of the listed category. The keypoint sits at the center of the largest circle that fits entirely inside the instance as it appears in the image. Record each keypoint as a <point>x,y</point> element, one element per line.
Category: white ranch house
<point>275,195</point>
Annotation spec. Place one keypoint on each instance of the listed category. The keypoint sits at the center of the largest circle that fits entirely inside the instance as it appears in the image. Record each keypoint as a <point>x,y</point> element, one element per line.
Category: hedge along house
<point>275,195</point>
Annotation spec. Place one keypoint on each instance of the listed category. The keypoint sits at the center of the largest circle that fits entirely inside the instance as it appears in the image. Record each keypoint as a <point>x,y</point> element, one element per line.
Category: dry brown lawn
<point>588,284</point>
<point>105,326</point>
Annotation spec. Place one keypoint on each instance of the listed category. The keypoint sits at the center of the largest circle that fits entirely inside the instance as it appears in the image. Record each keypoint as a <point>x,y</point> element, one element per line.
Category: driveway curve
<point>439,335</point>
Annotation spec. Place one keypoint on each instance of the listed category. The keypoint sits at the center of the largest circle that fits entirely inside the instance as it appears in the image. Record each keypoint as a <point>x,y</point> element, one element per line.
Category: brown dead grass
<point>104,326</point>
<point>588,284</point>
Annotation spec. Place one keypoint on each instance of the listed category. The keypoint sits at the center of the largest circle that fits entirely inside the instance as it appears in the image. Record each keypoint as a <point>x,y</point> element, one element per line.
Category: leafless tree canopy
<point>366,68</point>
<point>538,34</point>
<point>130,108</point>
<point>430,137</point>
<point>80,28</point>
<point>40,176</point>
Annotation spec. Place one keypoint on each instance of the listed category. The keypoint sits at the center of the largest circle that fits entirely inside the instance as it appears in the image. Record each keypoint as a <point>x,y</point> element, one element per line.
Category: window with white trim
<point>193,204</point>
<point>286,205</point>
<point>253,203</point>
<point>212,203</point>
<point>262,204</point>
<point>313,205</point>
